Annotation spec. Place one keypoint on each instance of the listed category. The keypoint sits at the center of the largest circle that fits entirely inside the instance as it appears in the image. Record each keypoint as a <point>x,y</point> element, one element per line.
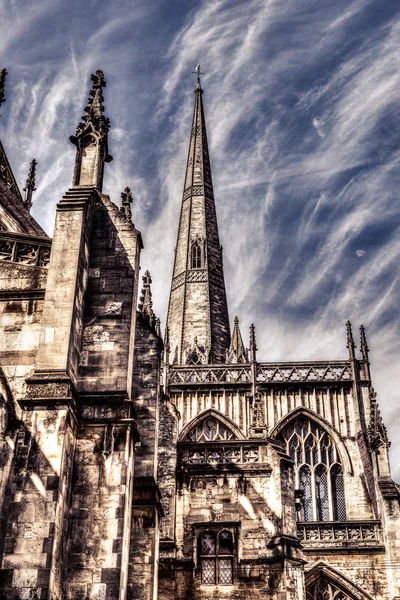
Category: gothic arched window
<point>210,430</point>
<point>216,551</point>
<point>195,256</point>
<point>319,472</point>
<point>324,590</point>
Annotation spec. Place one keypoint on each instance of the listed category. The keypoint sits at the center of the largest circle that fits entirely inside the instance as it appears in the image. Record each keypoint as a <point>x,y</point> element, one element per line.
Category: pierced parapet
<point>30,185</point>
<point>236,352</point>
<point>127,199</point>
<point>350,341</point>
<point>377,432</point>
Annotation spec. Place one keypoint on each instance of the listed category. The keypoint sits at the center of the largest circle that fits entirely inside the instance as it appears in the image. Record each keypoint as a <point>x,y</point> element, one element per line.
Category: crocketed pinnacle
<point>94,109</point>
<point>127,199</point>
<point>3,75</point>
<point>377,432</point>
<point>30,185</point>
<point>350,340</point>
<point>363,345</point>
<point>237,352</point>
<point>146,301</point>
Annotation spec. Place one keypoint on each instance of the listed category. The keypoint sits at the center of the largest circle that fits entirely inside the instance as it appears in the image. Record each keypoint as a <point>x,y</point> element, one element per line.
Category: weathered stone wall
<point>256,503</point>
<point>37,500</point>
<point>96,520</point>
<point>144,547</point>
<point>106,349</point>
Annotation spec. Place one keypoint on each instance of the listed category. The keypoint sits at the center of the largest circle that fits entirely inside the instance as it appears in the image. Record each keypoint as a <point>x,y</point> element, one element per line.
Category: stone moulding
<point>349,535</point>
<point>313,372</point>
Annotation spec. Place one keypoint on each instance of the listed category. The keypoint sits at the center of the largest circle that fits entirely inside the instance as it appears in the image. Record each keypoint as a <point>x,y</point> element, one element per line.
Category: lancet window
<point>195,255</point>
<point>216,553</point>
<point>324,590</point>
<point>319,472</point>
<point>210,430</point>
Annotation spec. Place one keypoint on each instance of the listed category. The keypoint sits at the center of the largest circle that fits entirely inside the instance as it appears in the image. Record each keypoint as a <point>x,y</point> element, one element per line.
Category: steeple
<point>91,138</point>
<point>198,321</point>
<point>30,185</point>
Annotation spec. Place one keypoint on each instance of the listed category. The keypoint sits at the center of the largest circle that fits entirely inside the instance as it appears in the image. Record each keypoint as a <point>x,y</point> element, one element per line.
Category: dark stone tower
<point>198,319</point>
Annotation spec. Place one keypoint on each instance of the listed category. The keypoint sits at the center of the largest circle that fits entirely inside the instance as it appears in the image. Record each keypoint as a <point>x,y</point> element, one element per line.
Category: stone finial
<point>30,185</point>
<point>167,346</point>
<point>253,346</point>
<point>158,327</point>
<point>363,345</point>
<point>3,75</point>
<point>91,139</point>
<point>236,352</point>
<point>350,341</point>
<point>377,432</point>
<point>127,200</point>
<point>95,109</point>
<point>146,301</point>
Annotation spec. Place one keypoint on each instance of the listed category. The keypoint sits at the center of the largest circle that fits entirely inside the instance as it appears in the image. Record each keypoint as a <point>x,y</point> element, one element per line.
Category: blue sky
<point>302,109</point>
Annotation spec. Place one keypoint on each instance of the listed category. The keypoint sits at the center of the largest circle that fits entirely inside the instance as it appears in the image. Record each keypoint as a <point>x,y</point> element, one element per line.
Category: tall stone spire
<point>91,138</point>
<point>30,185</point>
<point>198,321</point>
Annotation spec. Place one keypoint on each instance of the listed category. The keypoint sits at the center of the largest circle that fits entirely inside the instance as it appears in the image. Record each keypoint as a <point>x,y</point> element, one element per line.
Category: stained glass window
<point>319,472</point>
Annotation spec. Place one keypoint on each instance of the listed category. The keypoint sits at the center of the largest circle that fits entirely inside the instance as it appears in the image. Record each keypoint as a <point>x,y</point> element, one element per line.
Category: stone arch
<point>205,414</point>
<point>322,570</point>
<point>306,412</point>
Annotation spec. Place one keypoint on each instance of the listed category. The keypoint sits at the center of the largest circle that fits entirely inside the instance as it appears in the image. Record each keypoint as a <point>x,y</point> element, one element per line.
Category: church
<point>136,465</point>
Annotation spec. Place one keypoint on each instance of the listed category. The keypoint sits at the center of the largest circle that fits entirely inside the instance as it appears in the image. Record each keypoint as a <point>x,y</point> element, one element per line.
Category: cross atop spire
<point>3,75</point>
<point>198,72</point>
<point>30,184</point>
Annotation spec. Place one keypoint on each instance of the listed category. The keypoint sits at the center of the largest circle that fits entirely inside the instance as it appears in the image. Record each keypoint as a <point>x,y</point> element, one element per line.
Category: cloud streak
<point>301,106</point>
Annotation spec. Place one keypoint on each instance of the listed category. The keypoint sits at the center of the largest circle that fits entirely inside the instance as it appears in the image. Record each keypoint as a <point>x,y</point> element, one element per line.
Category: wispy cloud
<point>301,108</point>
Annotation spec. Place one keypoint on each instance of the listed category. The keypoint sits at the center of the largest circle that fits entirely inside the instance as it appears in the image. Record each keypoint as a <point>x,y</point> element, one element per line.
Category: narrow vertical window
<point>305,485</point>
<point>337,484</point>
<point>208,558</point>
<point>321,489</point>
<point>195,257</point>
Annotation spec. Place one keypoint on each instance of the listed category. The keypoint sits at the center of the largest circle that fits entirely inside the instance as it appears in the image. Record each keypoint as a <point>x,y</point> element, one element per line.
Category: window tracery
<point>210,430</point>
<point>216,553</point>
<point>195,255</point>
<point>319,472</point>
<point>324,590</point>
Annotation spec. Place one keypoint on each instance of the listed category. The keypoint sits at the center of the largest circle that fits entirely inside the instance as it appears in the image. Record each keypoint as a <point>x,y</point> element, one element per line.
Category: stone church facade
<point>136,466</point>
